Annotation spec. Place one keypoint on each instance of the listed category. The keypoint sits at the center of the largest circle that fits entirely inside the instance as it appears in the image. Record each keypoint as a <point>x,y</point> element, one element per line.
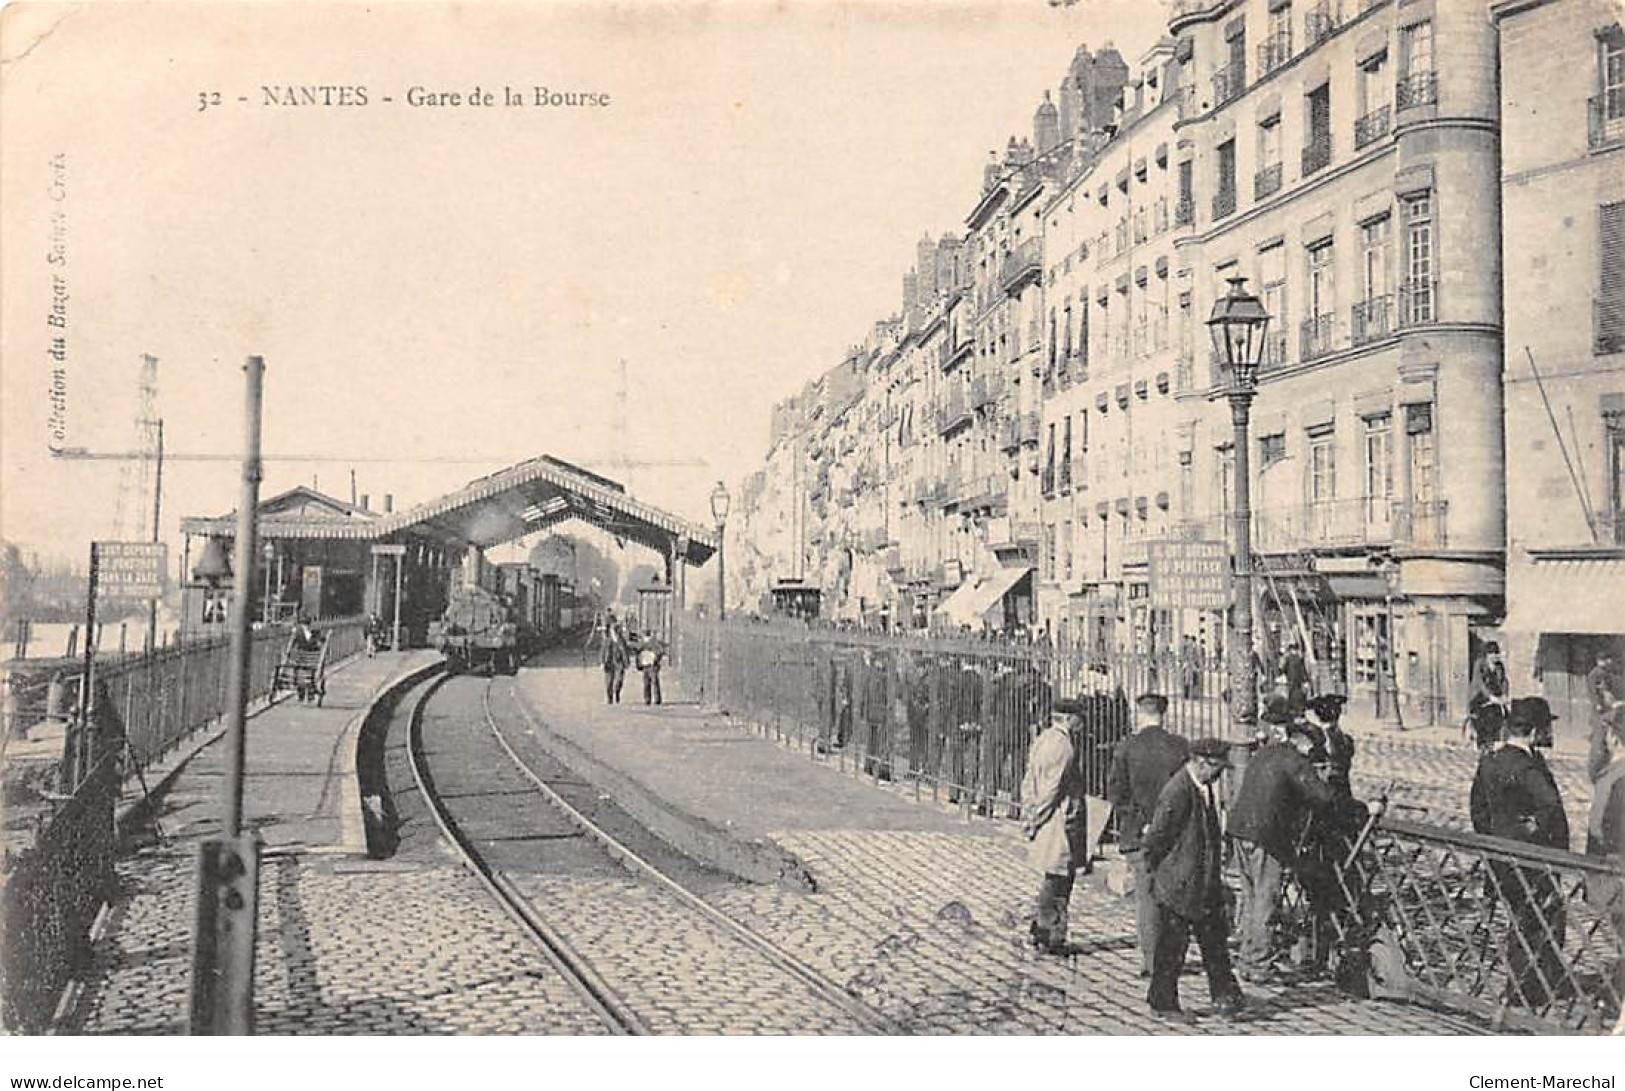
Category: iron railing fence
<point>952,714</point>
<point>1525,937</point>
<point>162,697</point>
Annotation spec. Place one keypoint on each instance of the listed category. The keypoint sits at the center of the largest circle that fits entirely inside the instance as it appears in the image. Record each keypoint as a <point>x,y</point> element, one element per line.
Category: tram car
<point>478,631</point>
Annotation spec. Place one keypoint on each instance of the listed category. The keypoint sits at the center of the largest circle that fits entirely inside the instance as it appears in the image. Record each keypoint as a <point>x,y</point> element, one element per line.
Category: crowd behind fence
<point>955,715</point>
<point>1529,938</point>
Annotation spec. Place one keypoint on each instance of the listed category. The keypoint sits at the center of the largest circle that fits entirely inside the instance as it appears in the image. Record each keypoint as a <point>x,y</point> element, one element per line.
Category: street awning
<point>1566,596</point>
<point>958,605</point>
<point>975,598</point>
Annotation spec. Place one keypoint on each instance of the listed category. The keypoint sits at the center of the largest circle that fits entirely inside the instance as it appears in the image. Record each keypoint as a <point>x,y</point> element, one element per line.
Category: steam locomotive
<point>497,628</point>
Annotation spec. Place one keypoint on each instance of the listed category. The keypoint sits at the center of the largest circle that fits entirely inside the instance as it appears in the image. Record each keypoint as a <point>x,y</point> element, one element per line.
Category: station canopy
<point>527,498</point>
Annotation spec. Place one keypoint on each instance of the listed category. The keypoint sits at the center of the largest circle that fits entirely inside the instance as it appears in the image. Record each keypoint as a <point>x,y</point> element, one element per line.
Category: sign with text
<point>1189,575</point>
<point>130,570</point>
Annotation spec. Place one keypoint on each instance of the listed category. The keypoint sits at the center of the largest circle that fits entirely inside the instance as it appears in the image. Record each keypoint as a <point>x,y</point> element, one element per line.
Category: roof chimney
<point>366,502</point>
<point>389,502</point>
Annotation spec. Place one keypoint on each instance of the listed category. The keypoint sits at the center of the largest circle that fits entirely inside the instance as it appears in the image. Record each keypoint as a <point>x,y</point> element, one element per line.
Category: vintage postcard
<point>1001,517</point>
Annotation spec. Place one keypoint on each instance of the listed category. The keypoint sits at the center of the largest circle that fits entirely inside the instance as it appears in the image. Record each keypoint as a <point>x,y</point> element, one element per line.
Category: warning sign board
<point>1189,575</point>
<point>130,570</point>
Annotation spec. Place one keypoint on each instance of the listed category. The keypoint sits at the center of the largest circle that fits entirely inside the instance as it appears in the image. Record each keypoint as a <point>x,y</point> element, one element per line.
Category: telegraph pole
<point>222,999</point>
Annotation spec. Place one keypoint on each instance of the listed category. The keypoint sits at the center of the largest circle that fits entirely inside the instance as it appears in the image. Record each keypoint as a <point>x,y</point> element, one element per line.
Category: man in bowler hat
<point>1184,853</point>
<point>1515,796</point>
<point>1141,765</point>
<point>1054,820</point>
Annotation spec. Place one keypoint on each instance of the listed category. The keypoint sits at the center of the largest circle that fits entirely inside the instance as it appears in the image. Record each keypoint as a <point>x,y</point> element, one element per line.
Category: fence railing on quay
<point>162,697</point>
<point>1525,937</point>
<point>954,715</point>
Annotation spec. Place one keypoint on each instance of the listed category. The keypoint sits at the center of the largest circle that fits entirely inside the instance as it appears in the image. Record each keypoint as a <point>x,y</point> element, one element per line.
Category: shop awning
<point>1566,596</point>
<point>975,598</point>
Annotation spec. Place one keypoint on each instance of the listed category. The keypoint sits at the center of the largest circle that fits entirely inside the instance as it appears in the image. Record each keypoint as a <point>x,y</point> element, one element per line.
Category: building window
<point>1322,483</point>
<point>1049,463</point>
<point>1227,481</point>
<point>1185,210</point>
<point>1614,445</point>
<point>1268,178</point>
<point>1370,316</point>
<point>1271,449</point>
<point>1272,279</point>
<point>1319,22</point>
<point>1608,312</point>
<point>1083,333</point>
<point>1379,470</point>
<point>1607,107</point>
<point>1374,106</point>
<point>1224,200</point>
<point>1425,522</point>
<point>1417,84</point>
<point>1416,302</point>
<point>1321,322</point>
<point>1276,48</point>
<point>1066,455</point>
<point>1317,147</point>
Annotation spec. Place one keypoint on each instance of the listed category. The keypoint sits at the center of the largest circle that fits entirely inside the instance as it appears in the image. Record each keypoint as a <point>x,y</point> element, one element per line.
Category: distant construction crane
<point>141,476</point>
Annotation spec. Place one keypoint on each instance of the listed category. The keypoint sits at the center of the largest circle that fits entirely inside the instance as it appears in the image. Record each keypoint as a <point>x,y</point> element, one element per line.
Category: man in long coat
<point>1141,765</point>
<point>1184,853</point>
<point>1515,796</point>
<point>1055,822</point>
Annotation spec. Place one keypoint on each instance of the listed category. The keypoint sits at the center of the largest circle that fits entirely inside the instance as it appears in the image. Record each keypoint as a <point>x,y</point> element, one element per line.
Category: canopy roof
<point>531,496</point>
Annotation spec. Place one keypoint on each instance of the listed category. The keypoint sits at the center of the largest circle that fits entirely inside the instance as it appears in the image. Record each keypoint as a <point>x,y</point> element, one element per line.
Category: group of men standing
<point>1291,809</point>
<point>622,648</point>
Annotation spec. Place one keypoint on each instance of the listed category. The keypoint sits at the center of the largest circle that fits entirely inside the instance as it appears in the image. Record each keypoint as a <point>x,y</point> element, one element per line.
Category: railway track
<point>595,893</point>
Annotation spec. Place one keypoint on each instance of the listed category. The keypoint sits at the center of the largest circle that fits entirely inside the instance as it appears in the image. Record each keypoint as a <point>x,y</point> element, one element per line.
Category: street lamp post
<point>1387,659</point>
<point>1237,326</point>
<point>720,501</point>
<point>268,554</point>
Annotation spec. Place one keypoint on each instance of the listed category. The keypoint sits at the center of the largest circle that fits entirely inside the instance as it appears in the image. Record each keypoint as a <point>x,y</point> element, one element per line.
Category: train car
<point>478,631</point>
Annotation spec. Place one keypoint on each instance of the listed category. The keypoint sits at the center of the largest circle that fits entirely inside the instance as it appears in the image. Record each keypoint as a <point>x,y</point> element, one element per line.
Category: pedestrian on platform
<point>1515,796</point>
<point>1055,821</point>
<point>614,657</point>
<point>651,654</point>
<point>1141,765</point>
<point>1280,790</point>
<point>1184,853</point>
<point>1607,691</point>
<point>1295,674</point>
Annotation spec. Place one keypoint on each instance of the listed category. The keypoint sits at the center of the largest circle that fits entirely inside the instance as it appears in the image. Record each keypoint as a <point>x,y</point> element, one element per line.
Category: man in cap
<point>1054,820</point>
<point>1322,715</point>
<point>1515,796</point>
<point>1184,853</point>
<point>1141,765</point>
<point>1279,792</point>
<point>1487,697</point>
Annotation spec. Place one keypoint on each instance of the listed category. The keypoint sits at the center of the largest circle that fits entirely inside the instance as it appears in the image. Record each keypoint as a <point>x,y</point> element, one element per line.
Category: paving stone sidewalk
<point>920,913</point>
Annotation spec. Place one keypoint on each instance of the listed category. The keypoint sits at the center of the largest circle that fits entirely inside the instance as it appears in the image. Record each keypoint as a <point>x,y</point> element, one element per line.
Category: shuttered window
<point>1608,319</point>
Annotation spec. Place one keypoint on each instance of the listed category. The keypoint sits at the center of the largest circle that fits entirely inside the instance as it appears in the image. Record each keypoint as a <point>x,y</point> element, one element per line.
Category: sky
<point>439,291</point>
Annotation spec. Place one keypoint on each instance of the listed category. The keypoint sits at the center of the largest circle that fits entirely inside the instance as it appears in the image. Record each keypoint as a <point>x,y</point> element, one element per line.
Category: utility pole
<point>157,512</point>
<point>222,994</point>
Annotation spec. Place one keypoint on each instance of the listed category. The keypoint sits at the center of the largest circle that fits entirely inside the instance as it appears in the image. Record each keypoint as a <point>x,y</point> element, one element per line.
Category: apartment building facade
<point>1343,157</point>
<point>1562,65</point>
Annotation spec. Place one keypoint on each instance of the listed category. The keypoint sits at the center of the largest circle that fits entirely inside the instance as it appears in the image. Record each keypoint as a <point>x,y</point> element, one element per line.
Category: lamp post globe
<point>1238,325</point>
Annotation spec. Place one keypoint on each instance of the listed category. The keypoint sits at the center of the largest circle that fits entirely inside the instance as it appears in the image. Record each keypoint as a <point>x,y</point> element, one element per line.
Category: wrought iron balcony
<point>1371,319</point>
<point>1321,22</point>
<point>1416,89</point>
<point>1022,264</point>
<point>1605,119</point>
<point>1266,181</point>
<point>1029,427</point>
<point>1608,325</point>
<point>1228,83</point>
<point>1324,523</point>
<point>1184,212</point>
<point>1315,337</point>
<point>1274,51</point>
<point>1009,434</point>
<point>1372,126</point>
<point>953,411</point>
<point>1317,153</point>
<point>1418,303</point>
<point>1274,349</point>
<point>1421,523</point>
<point>1224,202</point>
